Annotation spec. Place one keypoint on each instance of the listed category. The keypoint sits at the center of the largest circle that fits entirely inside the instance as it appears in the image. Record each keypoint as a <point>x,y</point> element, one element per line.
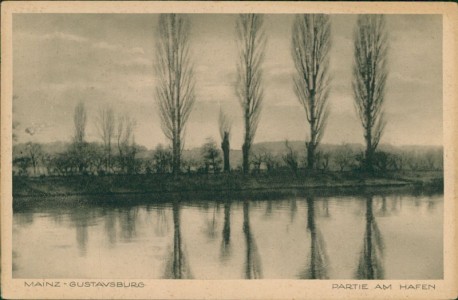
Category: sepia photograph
<point>188,146</point>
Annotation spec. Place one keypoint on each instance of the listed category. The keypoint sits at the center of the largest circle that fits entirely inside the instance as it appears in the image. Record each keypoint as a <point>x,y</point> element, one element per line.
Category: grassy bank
<point>219,183</point>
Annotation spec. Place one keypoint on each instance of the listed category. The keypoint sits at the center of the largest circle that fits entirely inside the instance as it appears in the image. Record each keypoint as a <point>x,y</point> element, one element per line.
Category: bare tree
<point>251,42</point>
<point>257,158</point>
<point>271,161</point>
<point>175,91</point>
<point>225,125</point>
<point>211,156</point>
<point>106,127</point>
<point>78,147</point>
<point>162,160</point>
<point>290,158</point>
<point>310,50</point>
<point>344,157</point>
<point>369,79</point>
<point>79,119</point>
<point>125,140</point>
<point>35,153</point>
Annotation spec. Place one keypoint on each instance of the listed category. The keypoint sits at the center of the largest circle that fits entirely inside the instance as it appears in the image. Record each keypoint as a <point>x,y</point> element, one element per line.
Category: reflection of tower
<point>253,268</point>
<point>226,243</point>
<point>177,265</point>
<point>318,258</point>
<point>370,264</point>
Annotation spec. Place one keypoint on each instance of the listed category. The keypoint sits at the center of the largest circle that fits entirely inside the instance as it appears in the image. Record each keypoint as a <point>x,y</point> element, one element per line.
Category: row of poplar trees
<point>310,47</point>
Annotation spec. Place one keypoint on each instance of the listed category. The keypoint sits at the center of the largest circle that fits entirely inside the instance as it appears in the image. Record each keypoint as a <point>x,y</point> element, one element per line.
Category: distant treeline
<point>59,159</point>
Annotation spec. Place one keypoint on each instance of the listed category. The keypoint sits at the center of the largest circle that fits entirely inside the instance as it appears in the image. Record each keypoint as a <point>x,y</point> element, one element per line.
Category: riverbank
<point>217,183</point>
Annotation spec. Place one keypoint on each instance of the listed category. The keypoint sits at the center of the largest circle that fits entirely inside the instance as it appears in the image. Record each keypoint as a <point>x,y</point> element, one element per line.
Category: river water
<point>347,237</point>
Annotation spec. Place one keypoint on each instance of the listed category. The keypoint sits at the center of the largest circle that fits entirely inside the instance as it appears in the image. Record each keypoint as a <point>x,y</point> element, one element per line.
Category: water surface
<point>357,237</point>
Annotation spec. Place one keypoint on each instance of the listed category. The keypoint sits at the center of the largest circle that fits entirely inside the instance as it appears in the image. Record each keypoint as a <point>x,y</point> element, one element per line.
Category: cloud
<point>118,48</point>
<point>105,46</point>
<point>51,36</point>
<point>396,76</point>
<point>108,59</point>
<point>53,62</point>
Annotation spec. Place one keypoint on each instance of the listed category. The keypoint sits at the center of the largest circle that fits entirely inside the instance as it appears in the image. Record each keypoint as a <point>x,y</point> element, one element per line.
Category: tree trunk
<point>176,160</point>
<point>246,158</point>
<point>109,157</point>
<point>246,143</point>
<point>310,156</point>
<point>369,160</point>
<point>369,154</point>
<point>225,146</point>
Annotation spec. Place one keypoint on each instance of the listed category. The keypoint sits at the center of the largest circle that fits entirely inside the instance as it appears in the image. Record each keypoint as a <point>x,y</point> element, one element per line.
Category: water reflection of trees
<point>14,264</point>
<point>431,204</point>
<point>57,217</point>
<point>253,268</point>
<point>397,204</point>
<point>110,227</point>
<point>384,208</point>
<point>81,219</point>
<point>177,265</point>
<point>318,260</point>
<point>128,222</point>
<point>370,264</point>
<point>211,225</point>
<point>325,208</point>
<point>293,209</point>
<point>269,208</point>
<point>84,217</point>
<point>162,225</point>
<point>225,251</point>
<point>23,218</point>
<point>82,236</point>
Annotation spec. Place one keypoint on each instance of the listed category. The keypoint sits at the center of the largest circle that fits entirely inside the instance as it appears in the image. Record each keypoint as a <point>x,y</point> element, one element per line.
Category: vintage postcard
<point>228,150</point>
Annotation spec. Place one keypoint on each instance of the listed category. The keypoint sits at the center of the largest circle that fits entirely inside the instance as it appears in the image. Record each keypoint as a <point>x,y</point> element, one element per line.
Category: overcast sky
<point>60,59</point>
